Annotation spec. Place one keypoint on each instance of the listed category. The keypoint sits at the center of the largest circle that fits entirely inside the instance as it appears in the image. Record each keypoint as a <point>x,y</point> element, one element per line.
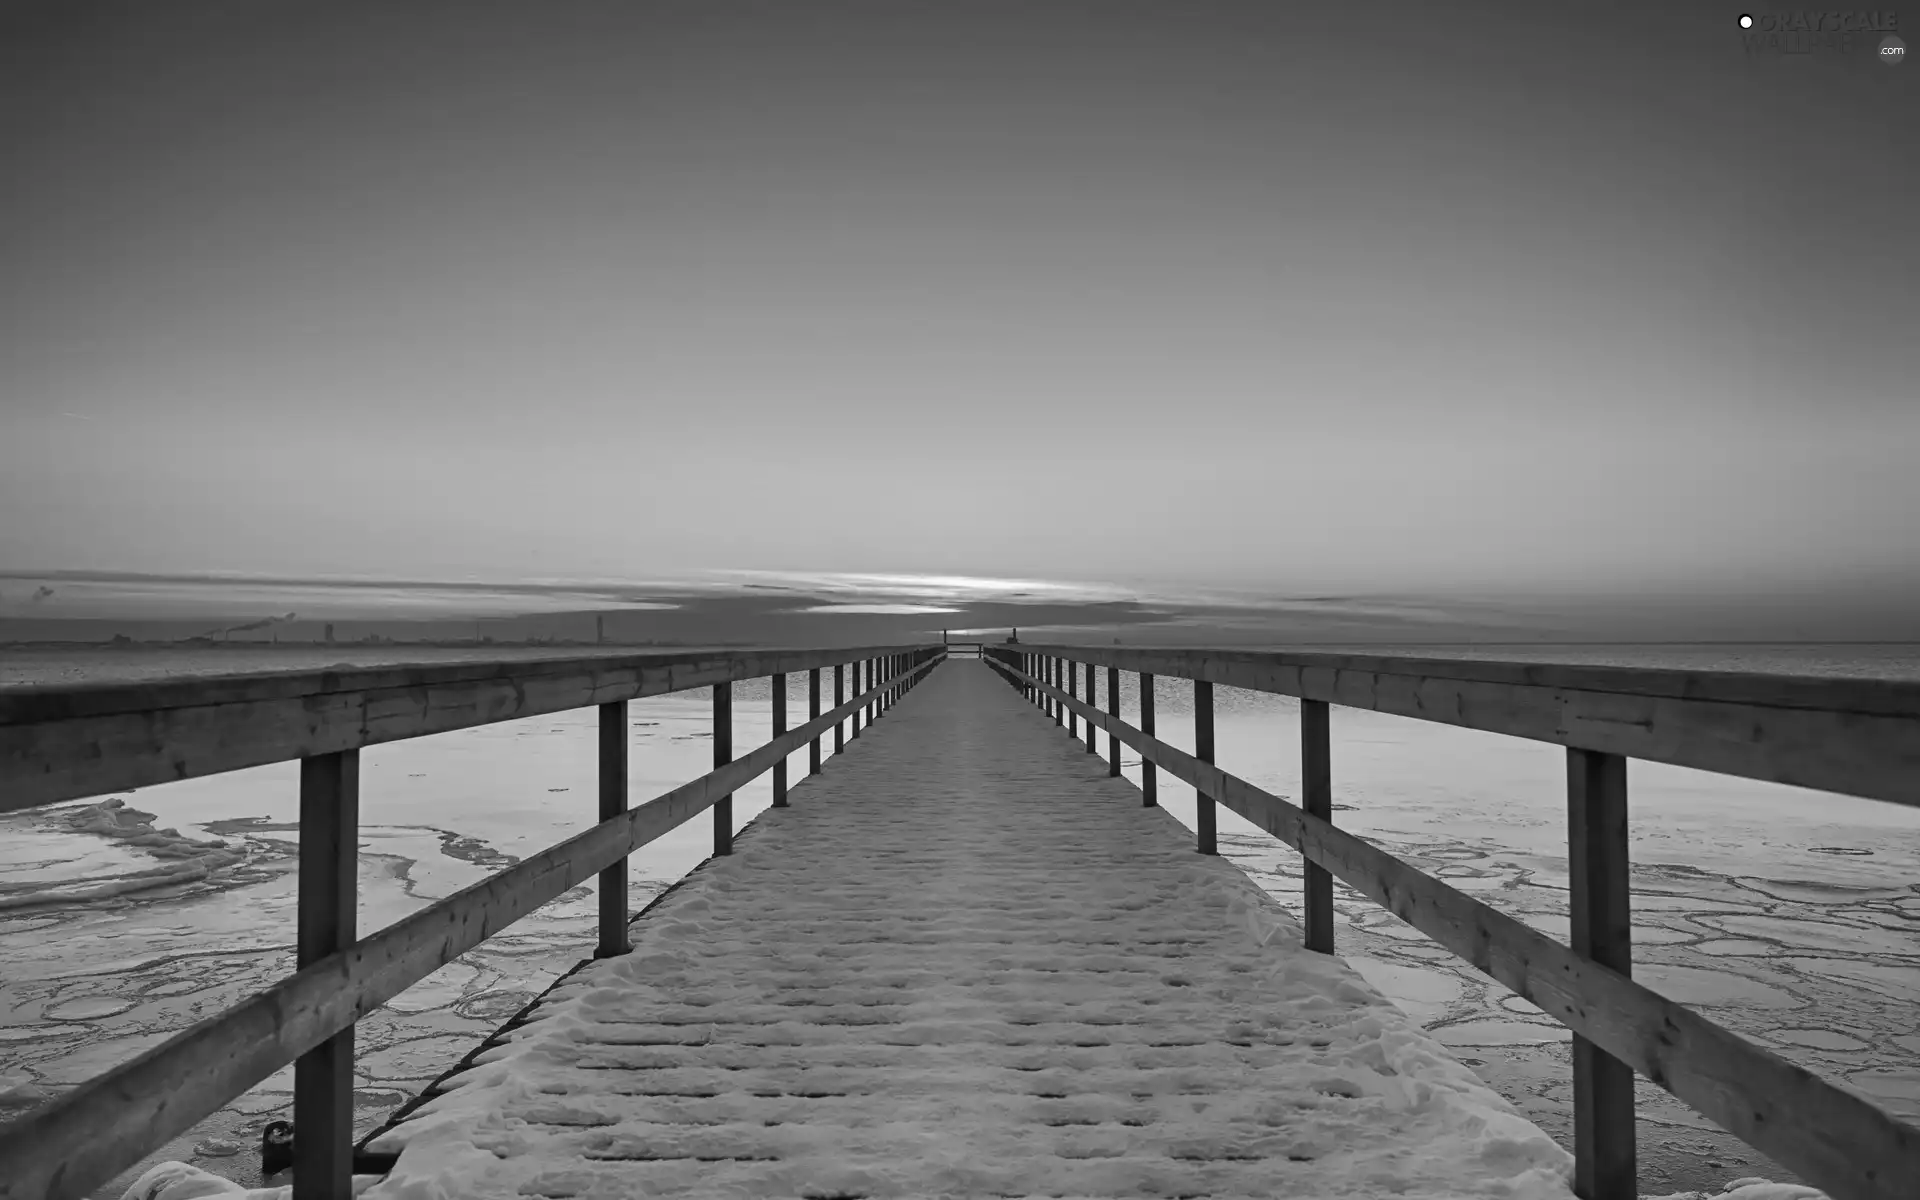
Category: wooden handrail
<point>1847,1145</point>
<point>66,1148</point>
<point>64,743</point>
<point>1856,737</point>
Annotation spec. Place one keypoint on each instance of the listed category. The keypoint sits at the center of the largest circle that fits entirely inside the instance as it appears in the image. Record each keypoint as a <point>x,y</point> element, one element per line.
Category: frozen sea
<point>1792,917</point>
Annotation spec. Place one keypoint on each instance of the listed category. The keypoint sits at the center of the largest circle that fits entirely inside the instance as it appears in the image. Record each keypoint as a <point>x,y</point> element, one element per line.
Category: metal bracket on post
<point>328,896</point>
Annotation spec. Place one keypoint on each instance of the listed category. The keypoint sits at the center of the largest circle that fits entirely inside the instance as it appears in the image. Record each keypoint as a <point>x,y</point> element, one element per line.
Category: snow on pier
<point>966,961</point>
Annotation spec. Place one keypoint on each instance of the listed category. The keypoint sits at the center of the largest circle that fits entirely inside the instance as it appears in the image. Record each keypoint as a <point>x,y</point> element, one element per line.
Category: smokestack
<point>600,628</point>
<point>329,631</point>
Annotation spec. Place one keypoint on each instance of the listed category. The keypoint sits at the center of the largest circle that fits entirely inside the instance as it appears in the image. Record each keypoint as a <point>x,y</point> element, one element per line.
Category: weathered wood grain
<point>328,905</point>
<point>779,693</point>
<point>1858,737</point>
<point>1601,913</point>
<point>1839,1141</point>
<point>1316,795</point>
<point>1149,772</point>
<point>63,1150</point>
<point>813,713</point>
<point>614,733</point>
<point>722,755</point>
<point>71,742</point>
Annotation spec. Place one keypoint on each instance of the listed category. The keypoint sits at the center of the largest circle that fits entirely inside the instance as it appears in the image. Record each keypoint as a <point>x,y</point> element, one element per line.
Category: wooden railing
<point>73,742</point>
<point>1860,738</point>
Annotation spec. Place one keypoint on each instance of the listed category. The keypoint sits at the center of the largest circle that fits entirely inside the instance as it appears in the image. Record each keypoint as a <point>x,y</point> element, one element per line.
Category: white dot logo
<point>1893,51</point>
<point>1746,22</point>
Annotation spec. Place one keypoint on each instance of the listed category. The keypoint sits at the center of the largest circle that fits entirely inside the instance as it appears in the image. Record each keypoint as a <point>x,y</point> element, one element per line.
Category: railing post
<point>813,714</point>
<point>722,755</point>
<point>328,894</point>
<point>1072,689</point>
<point>1149,774</point>
<point>853,721</point>
<point>1113,710</point>
<point>780,727</point>
<point>613,802</point>
<point>1602,920</point>
<point>1203,750</point>
<point>1316,794</point>
<point>839,698</point>
<point>1059,682</point>
<point>1093,701</point>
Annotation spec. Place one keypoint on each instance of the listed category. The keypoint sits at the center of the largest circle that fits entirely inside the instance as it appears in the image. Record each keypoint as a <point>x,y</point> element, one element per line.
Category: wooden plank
<point>1856,737</point>
<point>1149,771</point>
<point>1316,795</point>
<point>328,899</point>
<point>1602,931</point>
<point>613,801</point>
<point>1204,815</point>
<point>65,1149</point>
<point>1113,710</point>
<point>1841,1142</point>
<point>779,727</point>
<point>67,743</point>
<point>1889,697</point>
<point>813,714</point>
<point>722,755</point>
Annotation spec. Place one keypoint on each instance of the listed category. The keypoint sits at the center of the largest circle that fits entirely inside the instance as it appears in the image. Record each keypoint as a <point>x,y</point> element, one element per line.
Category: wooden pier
<point>964,957</point>
<point>965,961</point>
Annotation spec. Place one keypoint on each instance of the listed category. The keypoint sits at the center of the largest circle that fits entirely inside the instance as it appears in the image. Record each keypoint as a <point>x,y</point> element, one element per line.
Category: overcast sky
<point>1409,298</point>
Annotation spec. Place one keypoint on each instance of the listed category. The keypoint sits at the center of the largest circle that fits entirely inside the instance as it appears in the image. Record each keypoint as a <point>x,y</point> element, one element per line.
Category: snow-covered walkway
<point>967,962</point>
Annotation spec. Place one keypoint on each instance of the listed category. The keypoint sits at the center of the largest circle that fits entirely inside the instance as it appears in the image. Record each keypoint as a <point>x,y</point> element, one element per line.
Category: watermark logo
<point>1808,31</point>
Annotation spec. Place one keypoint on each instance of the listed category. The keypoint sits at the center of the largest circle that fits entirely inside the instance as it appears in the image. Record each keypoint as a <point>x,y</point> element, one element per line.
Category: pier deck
<point>966,961</point>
